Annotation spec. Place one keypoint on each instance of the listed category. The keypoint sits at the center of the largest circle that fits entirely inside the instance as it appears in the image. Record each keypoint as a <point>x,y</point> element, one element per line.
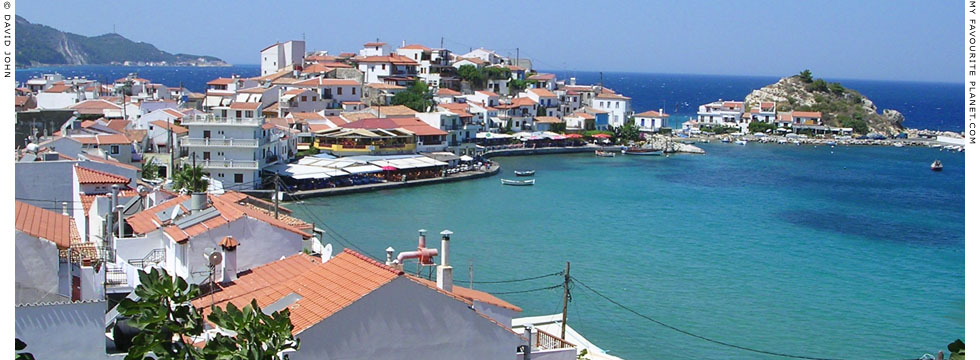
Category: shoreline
<point>472,174</point>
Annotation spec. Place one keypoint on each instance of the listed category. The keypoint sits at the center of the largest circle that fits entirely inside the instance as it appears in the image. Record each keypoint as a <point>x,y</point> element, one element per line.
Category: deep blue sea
<point>937,106</point>
<point>846,252</point>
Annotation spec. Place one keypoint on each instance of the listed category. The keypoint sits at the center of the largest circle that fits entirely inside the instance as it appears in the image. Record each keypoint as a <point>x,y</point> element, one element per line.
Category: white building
<point>282,55</point>
<point>233,144</point>
<point>375,49</point>
<point>651,121</point>
<point>489,56</point>
<point>617,106</point>
<point>727,113</point>
<point>391,68</point>
<point>545,99</point>
<point>765,112</point>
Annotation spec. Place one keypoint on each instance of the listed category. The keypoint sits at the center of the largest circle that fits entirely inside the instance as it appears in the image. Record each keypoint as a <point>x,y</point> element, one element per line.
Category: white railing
<point>225,164</point>
<point>220,142</point>
<point>211,119</point>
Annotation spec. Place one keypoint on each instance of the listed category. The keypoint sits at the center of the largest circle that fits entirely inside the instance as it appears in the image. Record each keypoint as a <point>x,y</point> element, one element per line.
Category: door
<point>207,134</point>
<point>76,288</point>
<point>207,155</point>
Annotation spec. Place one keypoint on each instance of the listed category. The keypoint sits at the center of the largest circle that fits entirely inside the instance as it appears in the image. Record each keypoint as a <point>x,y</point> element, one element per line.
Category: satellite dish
<point>214,259</point>
<point>327,251</point>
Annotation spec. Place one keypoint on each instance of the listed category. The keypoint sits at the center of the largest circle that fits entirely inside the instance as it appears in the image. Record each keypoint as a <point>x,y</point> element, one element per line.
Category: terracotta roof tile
<point>177,129</point>
<point>45,224</point>
<point>90,176</point>
<point>652,114</point>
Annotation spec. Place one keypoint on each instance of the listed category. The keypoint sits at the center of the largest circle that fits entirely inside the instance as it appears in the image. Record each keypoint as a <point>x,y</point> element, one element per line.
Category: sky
<point>868,39</point>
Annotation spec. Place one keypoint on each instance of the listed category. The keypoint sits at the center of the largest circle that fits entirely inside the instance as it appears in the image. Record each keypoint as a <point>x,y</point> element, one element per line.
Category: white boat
<point>517,182</point>
<point>782,141</point>
<point>898,144</point>
<point>601,153</point>
<point>705,141</point>
<point>936,166</point>
<point>524,172</point>
<point>741,142</point>
<point>832,143</point>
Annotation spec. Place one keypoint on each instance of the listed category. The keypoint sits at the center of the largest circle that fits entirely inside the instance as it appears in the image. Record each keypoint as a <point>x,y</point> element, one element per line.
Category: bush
<point>758,126</point>
<point>859,125</point>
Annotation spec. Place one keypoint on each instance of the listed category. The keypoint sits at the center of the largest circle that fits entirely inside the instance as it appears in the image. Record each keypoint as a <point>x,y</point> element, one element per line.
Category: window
<point>302,98</point>
<point>340,91</point>
<point>248,114</point>
<point>382,66</point>
<point>221,175</point>
<point>207,155</point>
<point>617,105</point>
<point>239,178</point>
<point>353,91</point>
<point>207,134</point>
<point>114,149</point>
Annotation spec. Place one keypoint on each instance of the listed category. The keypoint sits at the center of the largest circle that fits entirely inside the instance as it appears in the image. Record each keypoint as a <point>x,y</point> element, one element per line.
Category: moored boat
<point>936,166</point>
<point>601,153</point>
<point>517,182</point>
<point>740,142</point>
<point>644,151</point>
<point>524,172</point>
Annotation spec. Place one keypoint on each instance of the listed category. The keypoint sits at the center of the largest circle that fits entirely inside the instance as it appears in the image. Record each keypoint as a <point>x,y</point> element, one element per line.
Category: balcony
<point>242,143</point>
<point>209,119</point>
<point>226,164</point>
<point>546,341</point>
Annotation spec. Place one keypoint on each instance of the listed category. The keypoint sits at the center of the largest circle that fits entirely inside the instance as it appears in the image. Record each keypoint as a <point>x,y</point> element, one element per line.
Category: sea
<point>826,252</point>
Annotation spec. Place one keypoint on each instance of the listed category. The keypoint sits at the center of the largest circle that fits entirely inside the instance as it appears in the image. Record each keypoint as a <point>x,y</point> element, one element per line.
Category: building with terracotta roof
<point>184,228</point>
<point>374,48</point>
<point>118,146</point>
<point>341,307</point>
<point>332,91</point>
<point>764,112</point>
<point>726,113</point>
<point>651,121</point>
<point>811,118</point>
<point>24,102</point>
<point>52,263</point>
<point>617,106</point>
<point>377,69</point>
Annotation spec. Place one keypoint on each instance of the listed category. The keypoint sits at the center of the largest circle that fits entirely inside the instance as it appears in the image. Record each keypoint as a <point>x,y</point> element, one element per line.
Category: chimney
<point>390,251</point>
<point>444,273</point>
<point>422,238</point>
<point>403,43</point>
<point>571,81</point>
<point>64,208</point>
<point>198,201</point>
<point>229,259</point>
<point>119,218</point>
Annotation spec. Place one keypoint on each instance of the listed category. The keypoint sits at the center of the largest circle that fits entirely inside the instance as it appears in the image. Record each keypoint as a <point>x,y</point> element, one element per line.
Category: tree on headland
<point>806,76</point>
<point>857,124</point>
<point>416,97</point>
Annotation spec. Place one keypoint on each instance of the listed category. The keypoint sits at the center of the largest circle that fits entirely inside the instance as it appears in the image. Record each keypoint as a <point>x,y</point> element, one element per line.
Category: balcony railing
<point>226,164</point>
<point>223,120</point>
<point>220,142</point>
<point>546,341</point>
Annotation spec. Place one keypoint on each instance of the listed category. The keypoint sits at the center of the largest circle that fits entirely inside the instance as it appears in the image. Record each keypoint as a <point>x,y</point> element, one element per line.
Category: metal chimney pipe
<point>444,272</point>
<point>422,238</point>
<point>390,252</point>
<point>119,218</point>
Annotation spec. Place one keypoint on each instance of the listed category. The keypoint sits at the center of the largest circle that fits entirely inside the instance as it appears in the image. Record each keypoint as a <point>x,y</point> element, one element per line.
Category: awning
<point>362,169</point>
<point>300,172</point>
<point>466,158</point>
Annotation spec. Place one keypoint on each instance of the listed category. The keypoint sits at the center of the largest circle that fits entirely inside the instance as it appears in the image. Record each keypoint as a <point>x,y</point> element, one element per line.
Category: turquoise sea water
<point>839,252</point>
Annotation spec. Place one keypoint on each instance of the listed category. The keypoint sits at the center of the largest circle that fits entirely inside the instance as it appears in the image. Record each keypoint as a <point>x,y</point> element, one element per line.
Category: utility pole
<point>275,195</point>
<point>518,63</point>
<point>441,39</point>
<point>564,301</point>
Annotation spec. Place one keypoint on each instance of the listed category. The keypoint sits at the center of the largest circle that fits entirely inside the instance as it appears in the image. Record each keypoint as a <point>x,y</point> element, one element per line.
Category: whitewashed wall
<point>259,243</point>
<point>63,331</point>
<point>36,268</point>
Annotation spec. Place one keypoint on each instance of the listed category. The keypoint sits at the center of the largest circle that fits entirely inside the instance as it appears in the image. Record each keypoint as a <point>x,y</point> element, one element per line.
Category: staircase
<point>154,257</point>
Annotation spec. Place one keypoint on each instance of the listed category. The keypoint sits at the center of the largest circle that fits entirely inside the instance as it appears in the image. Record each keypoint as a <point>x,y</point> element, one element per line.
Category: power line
<point>685,332</point>
<point>513,280</point>
<point>527,291</point>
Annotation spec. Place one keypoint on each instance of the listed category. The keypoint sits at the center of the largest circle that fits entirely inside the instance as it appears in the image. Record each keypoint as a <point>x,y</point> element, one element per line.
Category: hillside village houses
<point>733,114</point>
<point>308,121</point>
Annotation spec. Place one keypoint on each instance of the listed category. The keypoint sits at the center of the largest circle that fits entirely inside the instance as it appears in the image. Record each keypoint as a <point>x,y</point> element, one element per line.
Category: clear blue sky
<point>882,40</point>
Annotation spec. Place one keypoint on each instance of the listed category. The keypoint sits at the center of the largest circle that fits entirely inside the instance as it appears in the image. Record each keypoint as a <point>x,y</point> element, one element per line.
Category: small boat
<point>601,153</point>
<point>936,166</point>
<point>898,144</point>
<point>832,143</point>
<point>644,151</point>
<point>782,141</point>
<point>705,141</point>
<point>726,140</point>
<point>741,142</point>
<point>517,182</point>
<point>524,172</point>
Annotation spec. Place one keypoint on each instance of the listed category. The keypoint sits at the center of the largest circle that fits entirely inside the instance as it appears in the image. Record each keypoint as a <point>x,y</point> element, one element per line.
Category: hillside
<point>38,44</point>
<point>841,107</point>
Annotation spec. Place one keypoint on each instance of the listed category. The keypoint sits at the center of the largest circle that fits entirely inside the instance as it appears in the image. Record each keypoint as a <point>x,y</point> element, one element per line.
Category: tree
<point>806,76</point>
<point>758,126</point>
<point>557,127</point>
<point>416,97</point>
<point>164,316</point>
<point>150,169</point>
<point>629,131</point>
<point>517,85</point>
<point>817,85</point>
<point>836,88</point>
<point>190,178</point>
<point>473,74</point>
<point>167,320</point>
<point>858,125</point>
<point>21,355</point>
